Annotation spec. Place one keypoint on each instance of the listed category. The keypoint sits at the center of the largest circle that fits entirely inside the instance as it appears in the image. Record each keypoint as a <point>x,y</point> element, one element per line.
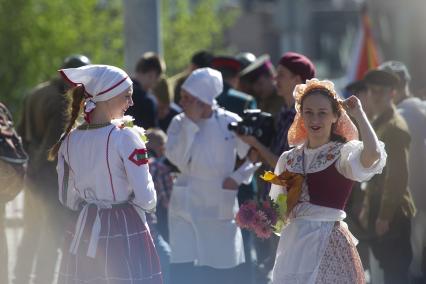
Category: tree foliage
<point>188,28</point>
<point>38,34</point>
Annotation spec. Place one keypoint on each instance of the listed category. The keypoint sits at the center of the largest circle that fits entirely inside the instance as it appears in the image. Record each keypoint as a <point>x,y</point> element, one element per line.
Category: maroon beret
<point>298,64</point>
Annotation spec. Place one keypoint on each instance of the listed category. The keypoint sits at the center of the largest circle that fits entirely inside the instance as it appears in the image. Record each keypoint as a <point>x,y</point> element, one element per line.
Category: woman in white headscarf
<point>103,173</point>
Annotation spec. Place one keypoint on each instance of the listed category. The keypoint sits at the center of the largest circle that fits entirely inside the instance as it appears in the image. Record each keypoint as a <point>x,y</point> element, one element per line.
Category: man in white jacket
<point>206,245</point>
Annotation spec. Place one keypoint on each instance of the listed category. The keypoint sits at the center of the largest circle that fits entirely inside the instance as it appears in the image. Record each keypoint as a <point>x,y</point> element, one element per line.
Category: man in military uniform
<point>413,110</point>
<point>261,75</point>
<point>42,123</point>
<point>245,59</point>
<point>292,69</point>
<point>388,206</point>
<point>231,99</point>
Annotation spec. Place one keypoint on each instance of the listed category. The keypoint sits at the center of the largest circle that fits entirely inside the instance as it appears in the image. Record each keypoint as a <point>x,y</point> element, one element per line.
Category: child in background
<point>163,181</point>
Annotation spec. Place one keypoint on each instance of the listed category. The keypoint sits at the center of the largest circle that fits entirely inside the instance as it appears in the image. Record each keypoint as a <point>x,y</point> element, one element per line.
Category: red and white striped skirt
<point>125,250</point>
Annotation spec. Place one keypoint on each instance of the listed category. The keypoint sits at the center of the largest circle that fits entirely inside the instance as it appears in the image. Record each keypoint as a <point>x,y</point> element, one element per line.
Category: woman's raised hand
<point>353,106</point>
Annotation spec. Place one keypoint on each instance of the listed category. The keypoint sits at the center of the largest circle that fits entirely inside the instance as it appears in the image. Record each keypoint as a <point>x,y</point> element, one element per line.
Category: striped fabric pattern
<point>125,251</point>
<point>139,157</point>
<point>65,182</point>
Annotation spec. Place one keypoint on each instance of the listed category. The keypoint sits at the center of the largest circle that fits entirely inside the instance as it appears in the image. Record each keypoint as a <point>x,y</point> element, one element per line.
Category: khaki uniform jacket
<point>388,194</point>
<point>273,105</point>
<point>44,117</point>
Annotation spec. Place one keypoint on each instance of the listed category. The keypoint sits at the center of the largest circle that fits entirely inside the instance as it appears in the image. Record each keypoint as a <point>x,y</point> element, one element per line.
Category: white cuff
<point>245,172</point>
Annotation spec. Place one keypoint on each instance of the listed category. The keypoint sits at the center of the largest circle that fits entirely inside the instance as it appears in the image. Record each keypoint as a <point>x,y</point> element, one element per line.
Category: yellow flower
<point>268,176</point>
<point>293,182</point>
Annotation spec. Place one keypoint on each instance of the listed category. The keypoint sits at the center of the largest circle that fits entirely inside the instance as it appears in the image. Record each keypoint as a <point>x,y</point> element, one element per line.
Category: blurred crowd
<point>387,214</point>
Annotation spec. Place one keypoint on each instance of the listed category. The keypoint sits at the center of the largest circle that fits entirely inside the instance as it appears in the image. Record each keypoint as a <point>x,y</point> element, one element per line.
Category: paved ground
<point>14,214</point>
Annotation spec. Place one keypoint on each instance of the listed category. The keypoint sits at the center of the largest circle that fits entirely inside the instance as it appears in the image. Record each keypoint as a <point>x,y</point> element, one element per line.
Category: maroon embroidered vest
<point>329,188</point>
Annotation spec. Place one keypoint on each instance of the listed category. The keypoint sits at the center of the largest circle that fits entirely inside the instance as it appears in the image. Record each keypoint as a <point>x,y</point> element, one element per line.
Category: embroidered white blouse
<point>101,168</point>
<point>304,239</point>
<point>104,166</point>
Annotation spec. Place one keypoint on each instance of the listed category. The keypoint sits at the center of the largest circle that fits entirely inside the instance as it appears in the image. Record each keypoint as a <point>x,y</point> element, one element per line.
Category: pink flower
<point>246,215</point>
<point>260,219</point>
<point>270,212</point>
<point>263,231</point>
<point>271,215</point>
<point>266,204</point>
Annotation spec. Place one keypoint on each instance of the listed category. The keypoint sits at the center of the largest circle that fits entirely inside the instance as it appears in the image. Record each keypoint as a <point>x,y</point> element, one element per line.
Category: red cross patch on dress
<point>139,157</point>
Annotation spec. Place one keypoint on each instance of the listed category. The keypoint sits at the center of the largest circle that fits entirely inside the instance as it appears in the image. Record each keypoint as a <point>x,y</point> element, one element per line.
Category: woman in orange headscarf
<point>315,245</point>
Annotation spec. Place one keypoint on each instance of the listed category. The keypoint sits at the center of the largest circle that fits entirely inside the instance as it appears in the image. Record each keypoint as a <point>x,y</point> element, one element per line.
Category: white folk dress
<point>312,234</point>
<point>103,173</point>
<point>201,212</point>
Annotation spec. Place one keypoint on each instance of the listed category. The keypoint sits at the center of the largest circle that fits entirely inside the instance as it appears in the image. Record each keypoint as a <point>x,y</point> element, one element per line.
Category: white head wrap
<point>100,82</point>
<point>205,84</point>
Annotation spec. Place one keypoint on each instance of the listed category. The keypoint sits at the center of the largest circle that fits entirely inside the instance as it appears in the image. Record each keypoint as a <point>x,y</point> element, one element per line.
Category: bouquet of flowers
<point>262,217</point>
<point>269,216</point>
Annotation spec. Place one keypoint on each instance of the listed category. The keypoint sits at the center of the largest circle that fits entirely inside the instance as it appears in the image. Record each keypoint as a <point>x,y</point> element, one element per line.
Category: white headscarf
<point>100,82</point>
<point>205,84</point>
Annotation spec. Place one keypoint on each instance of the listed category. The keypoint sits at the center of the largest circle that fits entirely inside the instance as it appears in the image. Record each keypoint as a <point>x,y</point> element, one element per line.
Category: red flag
<point>366,54</point>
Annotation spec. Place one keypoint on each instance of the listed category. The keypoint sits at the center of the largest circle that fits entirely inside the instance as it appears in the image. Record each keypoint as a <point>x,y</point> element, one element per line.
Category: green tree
<point>36,35</point>
<point>188,28</point>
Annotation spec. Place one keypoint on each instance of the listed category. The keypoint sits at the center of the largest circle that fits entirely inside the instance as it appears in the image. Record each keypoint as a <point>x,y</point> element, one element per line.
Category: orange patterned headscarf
<point>344,127</point>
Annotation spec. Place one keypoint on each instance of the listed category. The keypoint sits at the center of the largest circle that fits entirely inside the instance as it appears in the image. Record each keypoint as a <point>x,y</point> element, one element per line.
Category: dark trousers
<point>393,251</point>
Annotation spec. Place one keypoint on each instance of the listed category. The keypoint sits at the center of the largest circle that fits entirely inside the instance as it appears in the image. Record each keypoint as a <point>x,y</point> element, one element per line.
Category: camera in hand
<point>255,123</point>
